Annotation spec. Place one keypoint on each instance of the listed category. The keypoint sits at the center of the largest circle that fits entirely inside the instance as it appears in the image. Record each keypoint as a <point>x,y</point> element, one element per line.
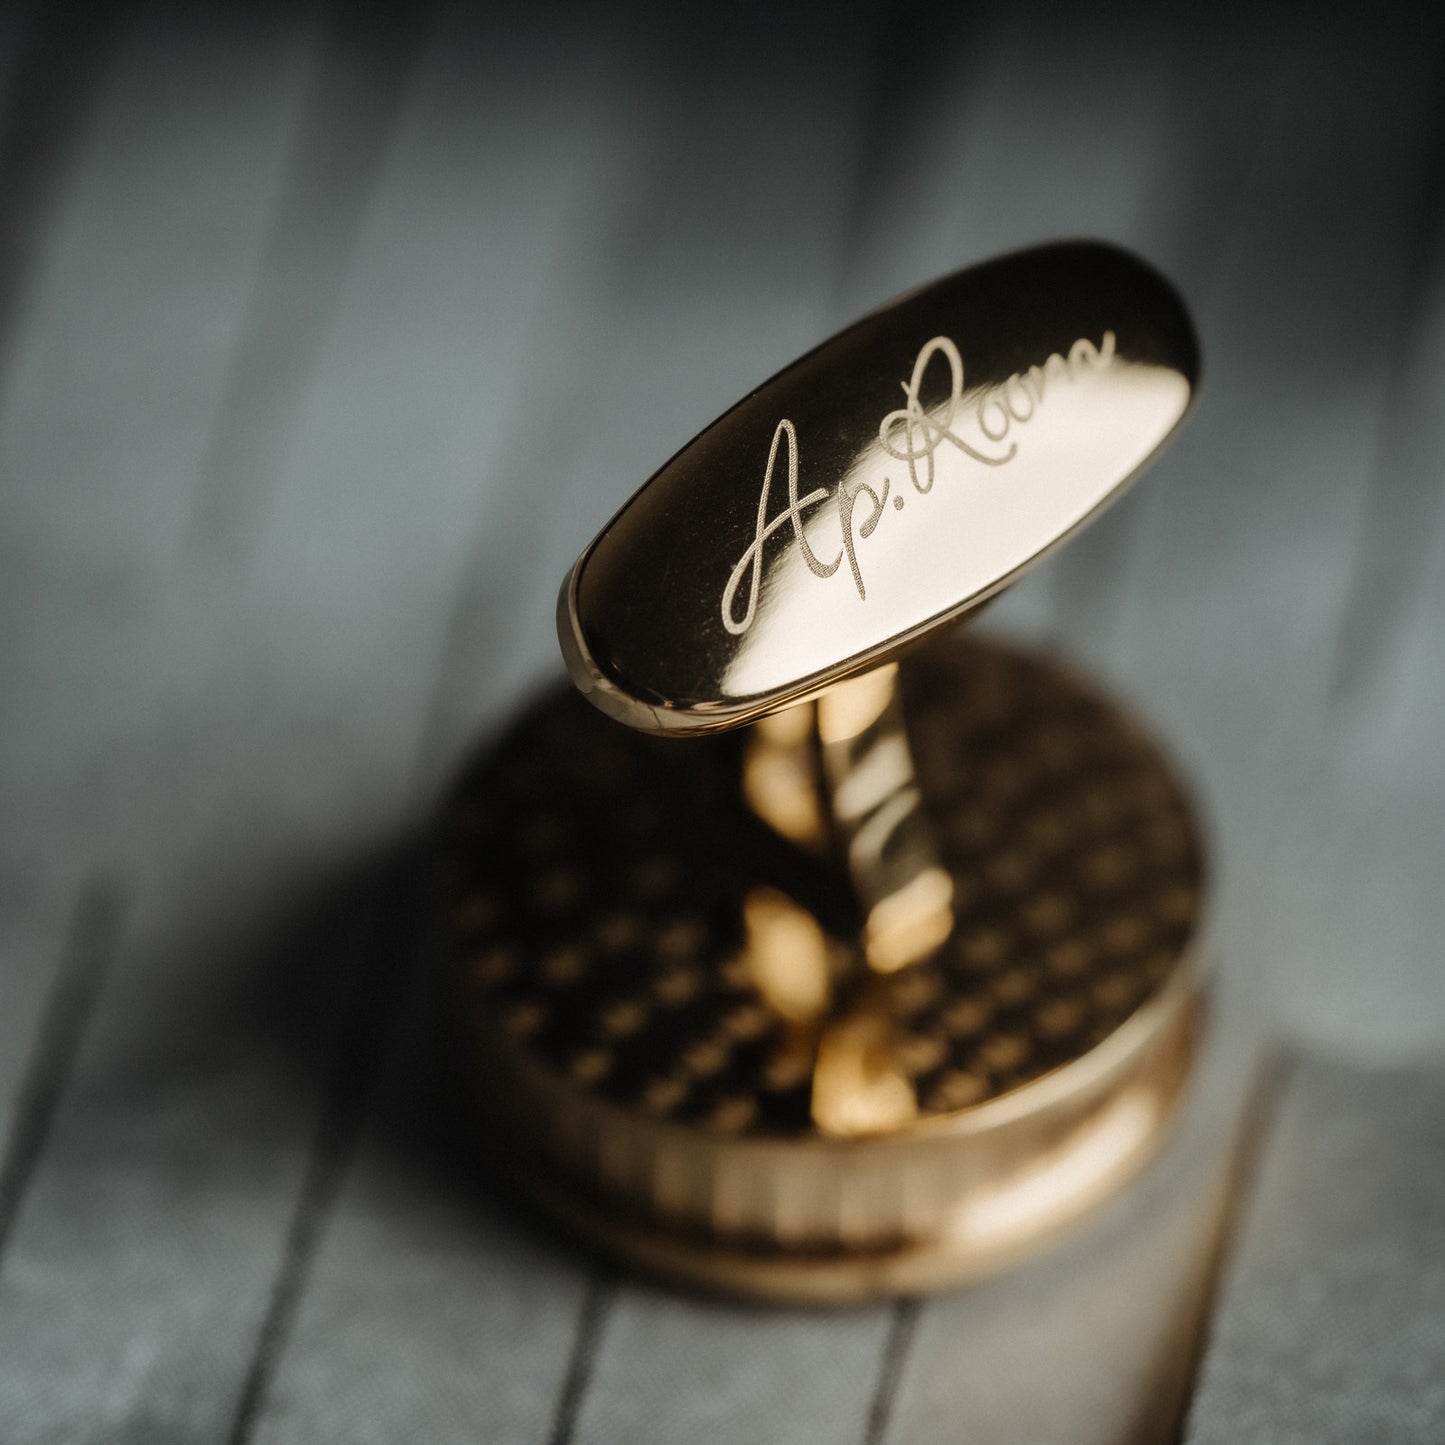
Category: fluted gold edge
<point>714,1210</point>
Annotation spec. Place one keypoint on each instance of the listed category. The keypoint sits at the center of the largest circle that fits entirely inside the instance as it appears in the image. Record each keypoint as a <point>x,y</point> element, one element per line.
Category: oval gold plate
<point>888,482</point>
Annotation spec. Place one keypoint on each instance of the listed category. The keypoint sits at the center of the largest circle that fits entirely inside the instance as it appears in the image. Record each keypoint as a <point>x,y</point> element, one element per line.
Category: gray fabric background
<point>328,335</point>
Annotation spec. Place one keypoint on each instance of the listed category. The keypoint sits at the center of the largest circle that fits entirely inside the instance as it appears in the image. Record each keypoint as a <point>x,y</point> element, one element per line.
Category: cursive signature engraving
<point>912,434</point>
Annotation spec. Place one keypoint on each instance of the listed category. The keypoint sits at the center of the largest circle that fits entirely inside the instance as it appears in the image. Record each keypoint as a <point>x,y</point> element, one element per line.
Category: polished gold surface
<point>683,1047</point>
<point>887,483</point>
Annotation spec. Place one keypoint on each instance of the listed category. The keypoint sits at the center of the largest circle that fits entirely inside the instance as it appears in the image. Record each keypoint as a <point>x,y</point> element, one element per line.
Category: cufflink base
<point>676,1051</point>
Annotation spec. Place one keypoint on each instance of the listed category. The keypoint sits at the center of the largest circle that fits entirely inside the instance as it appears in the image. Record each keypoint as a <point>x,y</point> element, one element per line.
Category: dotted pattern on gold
<point>593,881</point>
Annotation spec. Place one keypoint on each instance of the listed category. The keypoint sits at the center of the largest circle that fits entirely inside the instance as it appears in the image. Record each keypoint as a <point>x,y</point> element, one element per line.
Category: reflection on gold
<point>880,773</point>
<point>910,924</point>
<point>787,953</point>
<point>858,1087</point>
<point>1052,1185</point>
<point>793,727</point>
<point>852,707</point>
<point>779,780</point>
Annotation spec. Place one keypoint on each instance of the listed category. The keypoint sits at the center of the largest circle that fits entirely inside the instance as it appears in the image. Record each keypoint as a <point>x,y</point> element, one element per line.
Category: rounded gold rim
<point>1019,1171</point>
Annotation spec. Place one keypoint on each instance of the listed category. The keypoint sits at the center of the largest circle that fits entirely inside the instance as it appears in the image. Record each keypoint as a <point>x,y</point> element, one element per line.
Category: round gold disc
<point>675,1047</point>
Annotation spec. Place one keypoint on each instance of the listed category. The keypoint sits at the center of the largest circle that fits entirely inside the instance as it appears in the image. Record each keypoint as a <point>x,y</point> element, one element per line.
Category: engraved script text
<point>911,435</point>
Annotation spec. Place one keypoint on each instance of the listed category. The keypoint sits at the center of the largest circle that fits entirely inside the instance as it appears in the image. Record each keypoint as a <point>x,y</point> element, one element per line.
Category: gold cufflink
<point>833,953</point>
